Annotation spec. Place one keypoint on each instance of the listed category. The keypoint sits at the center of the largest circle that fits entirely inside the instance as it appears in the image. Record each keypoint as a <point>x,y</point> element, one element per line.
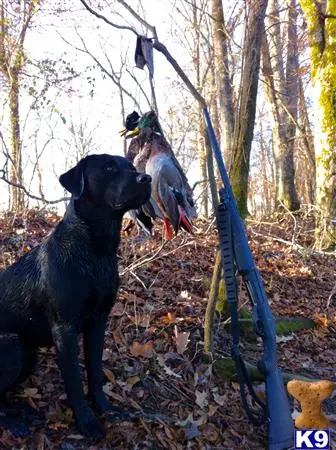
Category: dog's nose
<point>144,178</point>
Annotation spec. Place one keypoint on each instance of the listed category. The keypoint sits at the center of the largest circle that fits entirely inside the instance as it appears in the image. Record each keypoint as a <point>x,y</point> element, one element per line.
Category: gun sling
<point>223,218</point>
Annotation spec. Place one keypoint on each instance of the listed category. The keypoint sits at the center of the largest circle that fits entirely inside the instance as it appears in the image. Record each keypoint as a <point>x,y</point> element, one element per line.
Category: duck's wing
<point>169,191</point>
<point>161,145</point>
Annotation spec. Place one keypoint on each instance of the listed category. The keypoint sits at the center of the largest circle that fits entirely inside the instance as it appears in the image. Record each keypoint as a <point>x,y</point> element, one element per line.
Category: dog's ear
<point>73,180</point>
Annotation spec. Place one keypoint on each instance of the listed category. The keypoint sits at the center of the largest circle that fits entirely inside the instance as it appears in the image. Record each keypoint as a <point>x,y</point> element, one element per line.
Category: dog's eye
<point>111,169</point>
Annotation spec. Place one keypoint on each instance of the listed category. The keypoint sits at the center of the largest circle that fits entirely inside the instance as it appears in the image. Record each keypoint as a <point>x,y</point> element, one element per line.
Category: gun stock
<point>279,420</point>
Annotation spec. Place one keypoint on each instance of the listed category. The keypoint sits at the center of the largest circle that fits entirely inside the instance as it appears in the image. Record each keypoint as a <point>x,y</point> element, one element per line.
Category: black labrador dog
<point>67,286</point>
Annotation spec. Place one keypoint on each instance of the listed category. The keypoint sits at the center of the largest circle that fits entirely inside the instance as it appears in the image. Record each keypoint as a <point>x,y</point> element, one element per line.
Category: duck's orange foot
<point>184,221</point>
<point>168,230</point>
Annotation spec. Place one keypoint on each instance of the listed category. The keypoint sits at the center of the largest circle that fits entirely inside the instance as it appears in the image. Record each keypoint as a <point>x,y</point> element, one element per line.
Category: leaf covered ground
<point>153,357</point>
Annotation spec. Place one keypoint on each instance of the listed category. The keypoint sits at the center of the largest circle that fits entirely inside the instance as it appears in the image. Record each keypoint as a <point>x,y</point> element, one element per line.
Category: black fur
<point>68,284</point>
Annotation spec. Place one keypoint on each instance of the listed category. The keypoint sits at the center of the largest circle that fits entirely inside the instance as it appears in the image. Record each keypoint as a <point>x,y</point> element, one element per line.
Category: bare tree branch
<point>34,197</point>
<point>100,16</point>
<point>111,75</point>
<point>157,45</point>
<point>139,18</point>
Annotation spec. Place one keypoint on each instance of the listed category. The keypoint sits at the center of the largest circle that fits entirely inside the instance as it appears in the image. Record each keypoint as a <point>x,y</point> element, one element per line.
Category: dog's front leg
<point>94,333</point>
<point>67,352</point>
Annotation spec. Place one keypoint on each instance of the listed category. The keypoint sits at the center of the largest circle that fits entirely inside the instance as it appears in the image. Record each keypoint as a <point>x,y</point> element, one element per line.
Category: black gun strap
<point>223,218</point>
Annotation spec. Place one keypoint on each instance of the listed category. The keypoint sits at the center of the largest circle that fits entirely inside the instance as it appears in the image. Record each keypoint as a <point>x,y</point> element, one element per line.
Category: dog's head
<point>110,181</point>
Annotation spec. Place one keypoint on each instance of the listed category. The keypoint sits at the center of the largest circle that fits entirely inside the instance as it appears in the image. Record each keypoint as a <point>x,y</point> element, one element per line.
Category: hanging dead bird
<point>172,198</point>
<point>141,217</point>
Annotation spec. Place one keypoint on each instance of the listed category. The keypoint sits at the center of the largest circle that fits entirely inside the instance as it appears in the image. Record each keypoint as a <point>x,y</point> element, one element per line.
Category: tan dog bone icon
<point>311,395</point>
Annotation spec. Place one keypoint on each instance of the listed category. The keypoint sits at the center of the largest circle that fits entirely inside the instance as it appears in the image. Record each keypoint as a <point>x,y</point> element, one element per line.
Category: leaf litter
<point>153,362</point>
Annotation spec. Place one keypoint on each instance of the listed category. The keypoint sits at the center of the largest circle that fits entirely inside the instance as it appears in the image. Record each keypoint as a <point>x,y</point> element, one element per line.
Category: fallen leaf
<point>209,432</point>
<point>118,309</point>
<point>131,381</point>
<point>213,410</point>
<point>220,399</point>
<point>32,392</point>
<point>108,389</point>
<point>109,375</point>
<point>201,399</point>
<point>321,319</point>
<point>159,292</point>
<point>191,431</point>
<point>144,350</point>
<point>168,370</point>
<point>181,340</point>
<point>169,319</point>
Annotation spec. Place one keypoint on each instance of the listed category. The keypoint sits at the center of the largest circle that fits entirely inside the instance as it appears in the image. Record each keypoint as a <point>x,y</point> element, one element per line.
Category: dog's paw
<point>90,426</point>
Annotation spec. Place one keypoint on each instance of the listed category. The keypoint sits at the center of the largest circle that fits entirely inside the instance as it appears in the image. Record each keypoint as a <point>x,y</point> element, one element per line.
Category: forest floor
<point>153,351</point>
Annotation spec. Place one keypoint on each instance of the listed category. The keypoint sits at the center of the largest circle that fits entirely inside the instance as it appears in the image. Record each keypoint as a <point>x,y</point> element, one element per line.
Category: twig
<point>143,260</point>
<point>156,44</point>
<point>295,246</point>
<point>143,22</point>
<point>332,293</point>
<point>35,197</point>
<point>100,16</point>
<point>292,216</point>
<point>283,241</point>
<point>228,320</point>
<point>139,279</point>
<point>210,225</point>
<point>154,257</point>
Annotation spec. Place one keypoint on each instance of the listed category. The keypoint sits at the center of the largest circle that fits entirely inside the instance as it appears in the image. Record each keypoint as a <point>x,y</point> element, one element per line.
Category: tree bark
<point>289,193</point>
<point>322,41</point>
<point>308,145</point>
<point>16,194</point>
<point>247,105</point>
<point>283,94</point>
<point>223,77</point>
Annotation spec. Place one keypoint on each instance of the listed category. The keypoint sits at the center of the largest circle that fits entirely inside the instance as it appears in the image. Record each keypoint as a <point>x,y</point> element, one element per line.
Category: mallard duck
<point>172,198</point>
<point>131,122</point>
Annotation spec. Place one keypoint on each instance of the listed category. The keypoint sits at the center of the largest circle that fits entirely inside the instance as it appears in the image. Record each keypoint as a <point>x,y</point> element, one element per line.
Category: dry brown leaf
<point>108,389</point>
<point>169,319</point>
<point>181,340</point>
<point>32,392</point>
<point>131,381</point>
<point>118,309</point>
<point>144,350</point>
<point>161,360</point>
<point>209,432</point>
<point>109,375</point>
<point>220,399</point>
<point>213,410</point>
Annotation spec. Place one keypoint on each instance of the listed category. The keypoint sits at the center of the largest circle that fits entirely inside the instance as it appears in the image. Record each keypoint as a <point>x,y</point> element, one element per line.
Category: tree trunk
<point>224,85</point>
<point>322,42</point>
<point>247,107</point>
<point>200,125</point>
<point>16,194</point>
<point>308,144</point>
<point>289,193</point>
<point>284,98</point>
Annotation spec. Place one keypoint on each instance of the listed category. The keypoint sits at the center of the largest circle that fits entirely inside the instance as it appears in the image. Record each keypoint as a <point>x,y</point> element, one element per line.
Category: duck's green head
<point>147,120</point>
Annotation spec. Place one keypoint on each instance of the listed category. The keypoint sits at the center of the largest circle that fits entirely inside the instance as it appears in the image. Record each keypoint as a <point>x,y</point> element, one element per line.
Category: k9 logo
<point>312,439</point>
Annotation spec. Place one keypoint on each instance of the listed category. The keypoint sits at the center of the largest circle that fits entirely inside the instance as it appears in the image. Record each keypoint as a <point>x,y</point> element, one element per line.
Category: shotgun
<point>237,258</point>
